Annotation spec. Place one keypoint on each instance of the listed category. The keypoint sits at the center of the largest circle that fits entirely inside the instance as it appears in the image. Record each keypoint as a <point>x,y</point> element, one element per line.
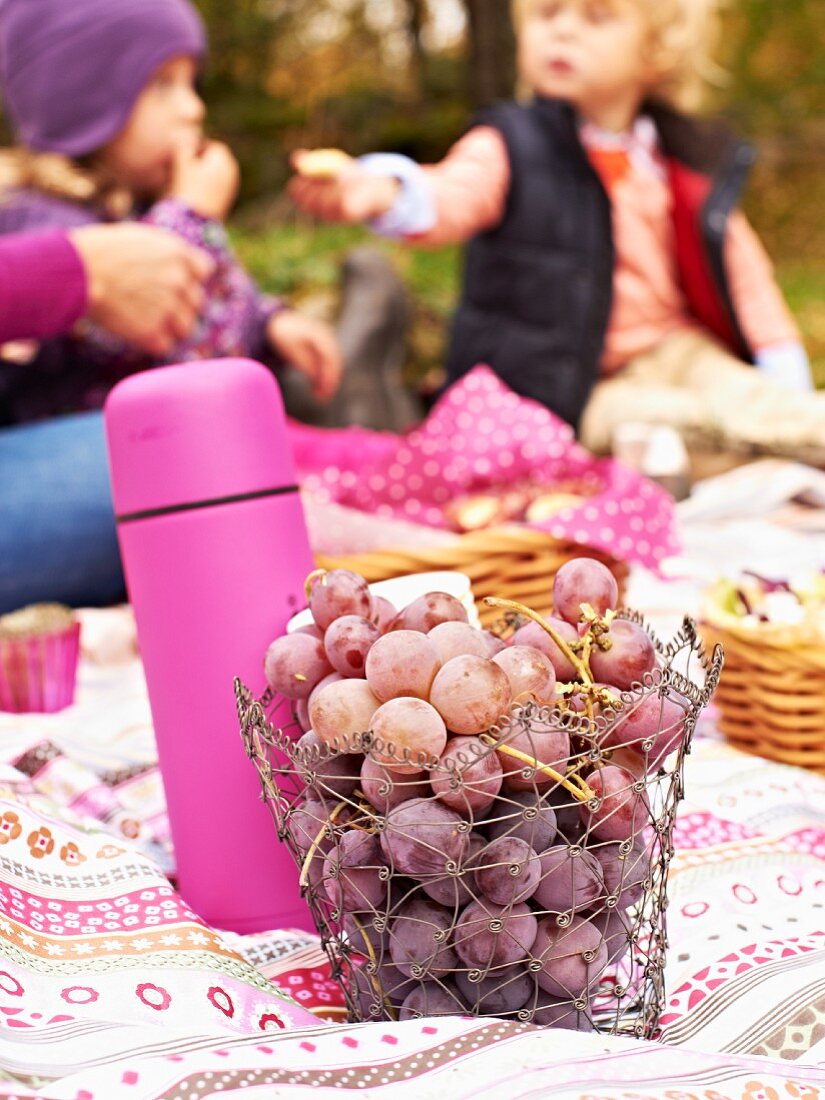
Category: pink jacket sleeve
<point>762,311</point>
<point>42,286</point>
<point>469,187</point>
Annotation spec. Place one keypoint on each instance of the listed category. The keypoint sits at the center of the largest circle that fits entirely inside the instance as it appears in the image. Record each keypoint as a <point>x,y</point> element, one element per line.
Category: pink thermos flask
<point>215,553</point>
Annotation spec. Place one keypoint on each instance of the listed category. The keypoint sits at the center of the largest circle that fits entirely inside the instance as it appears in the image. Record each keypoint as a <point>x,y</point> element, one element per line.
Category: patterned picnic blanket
<point>111,987</point>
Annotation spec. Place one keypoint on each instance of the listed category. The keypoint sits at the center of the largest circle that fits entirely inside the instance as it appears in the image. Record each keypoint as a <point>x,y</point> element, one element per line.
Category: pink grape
<point>622,812</point>
<point>305,822</point>
<point>584,580</point>
<point>294,664</point>
<point>532,635</point>
<point>657,719</point>
<point>568,882</point>
<point>301,715</point>
<point>372,991</point>
<point>508,871</point>
<point>630,656</point>
<point>552,1012</point>
<point>338,593</point>
<point>500,993</point>
<point>432,999</point>
<point>312,629</point>
<point>384,614</point>
<point>494,643</point>
<point>469,763</point>
<point>616,929</point>
<point>410,732</point>
<point>455,891</point>
<point>336,776</point>
<point>352,873</point>
<point>341,711</point>
<point>524,815</point>
<point>489,935</point>
<point>347,642</point>
<point>420,939</point>
<point>545,745</point>
<point>428,611</point>
<point>470,694</point>
<point>333,678</point>
<point>573,958</point>
<point>530,672</point>
<point>363,937</point>
<point>385,788</point>
<point>403,663</point>
<point>458,640</point>
<point>422,837</point>
<point>625,874</point>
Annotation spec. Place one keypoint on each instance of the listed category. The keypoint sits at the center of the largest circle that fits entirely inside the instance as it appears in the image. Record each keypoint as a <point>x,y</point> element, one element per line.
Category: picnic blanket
<point>110,986</point>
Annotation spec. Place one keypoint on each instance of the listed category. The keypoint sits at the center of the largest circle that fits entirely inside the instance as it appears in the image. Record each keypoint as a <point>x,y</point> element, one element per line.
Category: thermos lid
<point>185,436</point>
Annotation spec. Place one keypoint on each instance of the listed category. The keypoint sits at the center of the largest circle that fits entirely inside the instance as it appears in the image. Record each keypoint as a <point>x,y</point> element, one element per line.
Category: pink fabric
<point>42,286</point>
<point>470,187</point>
<point>482,436</point>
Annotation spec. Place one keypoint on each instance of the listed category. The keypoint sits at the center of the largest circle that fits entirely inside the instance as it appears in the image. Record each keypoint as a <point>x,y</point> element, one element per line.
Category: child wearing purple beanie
<point>101,96</point>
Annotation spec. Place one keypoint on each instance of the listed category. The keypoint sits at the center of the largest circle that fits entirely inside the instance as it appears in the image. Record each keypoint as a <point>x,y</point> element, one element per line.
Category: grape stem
<point>373,977</point>
<point>582,667</point>
<point>315,575</point>
<point>582,793</point>
<point>303,881</point>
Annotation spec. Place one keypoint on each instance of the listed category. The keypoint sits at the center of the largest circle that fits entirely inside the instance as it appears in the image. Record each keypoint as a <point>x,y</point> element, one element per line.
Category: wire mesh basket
<point>523,876</point>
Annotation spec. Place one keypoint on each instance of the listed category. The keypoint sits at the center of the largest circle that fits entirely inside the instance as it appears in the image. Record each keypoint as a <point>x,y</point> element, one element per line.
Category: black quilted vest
<point>538,288</point>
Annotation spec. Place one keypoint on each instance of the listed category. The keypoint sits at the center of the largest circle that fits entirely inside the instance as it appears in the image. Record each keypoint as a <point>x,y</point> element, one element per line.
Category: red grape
<point>584,580</point>
<point>476,773</point>
<point>568,882</point>
<point>524,815</point>
<point>470,694</point>
<point>545,745</point>
<point>530,672</point>
<point>403,663</point>
<point>294,664</point>
<point>347,642</point>
<point>410,732</point>
<point>432,999</point>
<point>622,812</point>
<point>508,871</point>
<point>501,993</point>
<point>573,958</point>
<point>420,939</point>
<point>534,636</point>
<point>334,777</point>
<point>489,935</point>
<point>352,873</point>
<point>384,614</point>
<point>630,656</point>
<point>339,593</point>
<point>385,788</point>
<point>458,640</point>
<point>341,711</point>
<point>428,611</point>
<point>422,837</point>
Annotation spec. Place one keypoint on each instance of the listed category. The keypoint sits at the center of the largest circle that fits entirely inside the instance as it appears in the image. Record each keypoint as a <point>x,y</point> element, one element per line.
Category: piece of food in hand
<point>321,164</point>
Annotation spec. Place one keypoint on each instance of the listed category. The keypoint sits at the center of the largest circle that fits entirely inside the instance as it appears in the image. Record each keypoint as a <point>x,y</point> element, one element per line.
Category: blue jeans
<point>57,527</point>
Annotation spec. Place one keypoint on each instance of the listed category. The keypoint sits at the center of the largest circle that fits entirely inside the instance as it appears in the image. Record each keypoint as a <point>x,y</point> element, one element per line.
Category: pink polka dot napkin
<point>483,437</point>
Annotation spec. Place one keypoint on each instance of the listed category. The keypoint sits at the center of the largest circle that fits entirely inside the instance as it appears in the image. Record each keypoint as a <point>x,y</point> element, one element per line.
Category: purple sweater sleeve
<point>42,286</point>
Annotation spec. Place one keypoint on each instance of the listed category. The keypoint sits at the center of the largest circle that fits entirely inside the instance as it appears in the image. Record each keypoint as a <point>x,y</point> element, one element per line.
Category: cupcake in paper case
<point>39,648</point>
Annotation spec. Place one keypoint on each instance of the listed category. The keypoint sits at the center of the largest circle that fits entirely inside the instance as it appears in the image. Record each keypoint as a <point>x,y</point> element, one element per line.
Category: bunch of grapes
<point>474,825</point>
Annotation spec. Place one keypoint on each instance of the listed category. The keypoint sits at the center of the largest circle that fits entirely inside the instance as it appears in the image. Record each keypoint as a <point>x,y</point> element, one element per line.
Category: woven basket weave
<point>771,696</point>
<point>513,563</point>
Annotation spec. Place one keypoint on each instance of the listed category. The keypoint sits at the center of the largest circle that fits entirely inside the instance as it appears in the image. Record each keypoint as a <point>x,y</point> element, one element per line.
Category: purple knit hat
<point>71,70</point>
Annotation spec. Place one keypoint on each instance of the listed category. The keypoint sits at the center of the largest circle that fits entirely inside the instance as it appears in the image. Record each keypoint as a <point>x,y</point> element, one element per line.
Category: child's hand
<point>207,180</point>
<point>352,195</point>
<point>311,347</point>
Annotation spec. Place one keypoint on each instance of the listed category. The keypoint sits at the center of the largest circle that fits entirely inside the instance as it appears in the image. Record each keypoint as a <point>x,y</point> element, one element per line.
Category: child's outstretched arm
<point>426,205</point>
<point>766,321</point>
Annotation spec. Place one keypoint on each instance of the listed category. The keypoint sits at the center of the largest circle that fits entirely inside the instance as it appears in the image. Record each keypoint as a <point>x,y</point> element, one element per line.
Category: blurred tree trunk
<point>492,62</point>
<point>416,19</point>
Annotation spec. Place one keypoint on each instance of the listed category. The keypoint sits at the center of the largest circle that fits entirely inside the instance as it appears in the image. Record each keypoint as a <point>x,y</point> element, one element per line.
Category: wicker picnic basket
<point>771,697</point>
<point>514,563</point>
